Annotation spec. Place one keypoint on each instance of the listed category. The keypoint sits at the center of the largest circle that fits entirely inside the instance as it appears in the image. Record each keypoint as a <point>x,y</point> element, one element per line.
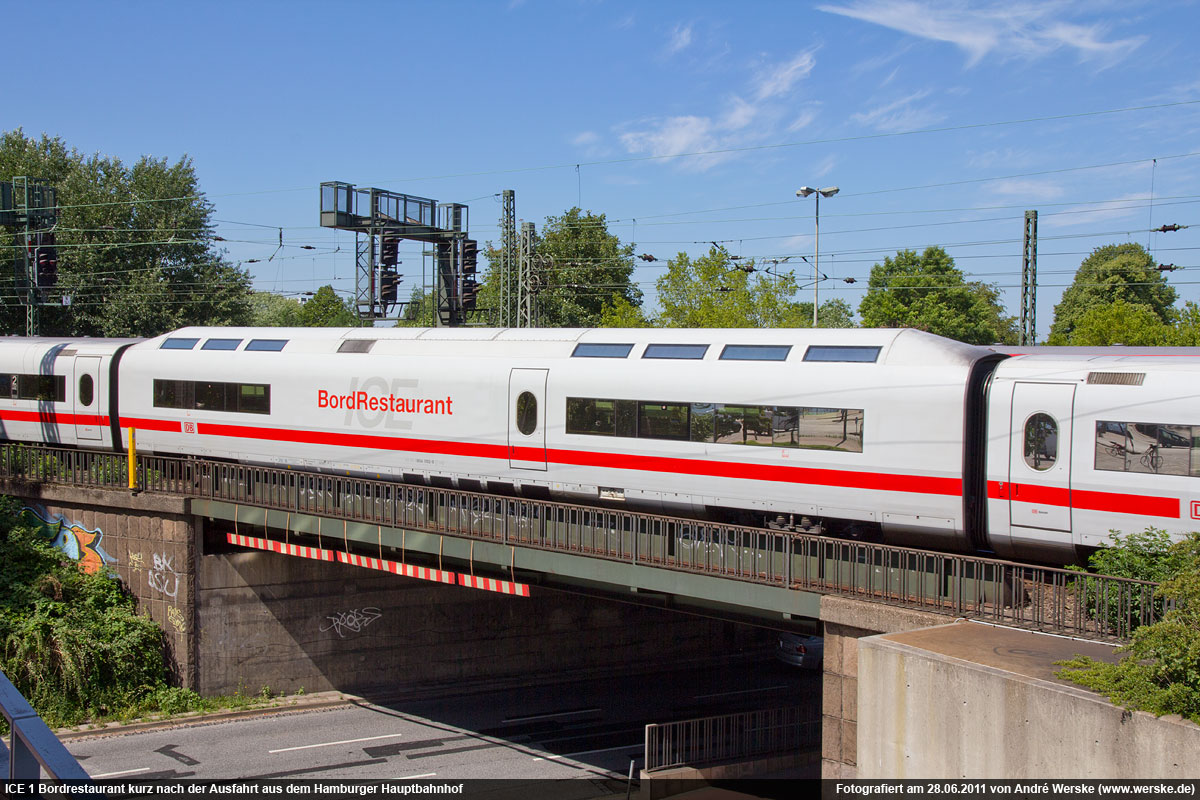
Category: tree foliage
<point>1119,322</point>
<point>135,245</point>
<point>580,269</point>
<point>1112,273</point>
<point>1160,669</point>
<point>929,293</point>
<point>269,310</point>
<point>71,642</point>
<point>714,291</point>
<point>326,309</point>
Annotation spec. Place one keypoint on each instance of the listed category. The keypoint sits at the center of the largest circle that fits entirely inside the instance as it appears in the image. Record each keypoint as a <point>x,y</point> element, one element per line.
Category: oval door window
<point>86,390</point>
<point>526,413</point>
<point>1041,441</point>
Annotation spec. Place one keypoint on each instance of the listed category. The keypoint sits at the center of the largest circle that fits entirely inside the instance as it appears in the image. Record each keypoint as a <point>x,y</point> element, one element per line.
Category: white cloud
<point>586,138</point>
<point>900,115</point>
<point>1021,30</point>
<point>680,38</point>
<point>740,123</point>
<point>674,136</point>
<point>1031,190</point>
<point>779,79</point>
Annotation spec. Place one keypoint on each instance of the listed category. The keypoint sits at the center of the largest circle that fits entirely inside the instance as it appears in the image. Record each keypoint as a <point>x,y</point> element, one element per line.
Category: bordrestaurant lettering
<point>365,401</point>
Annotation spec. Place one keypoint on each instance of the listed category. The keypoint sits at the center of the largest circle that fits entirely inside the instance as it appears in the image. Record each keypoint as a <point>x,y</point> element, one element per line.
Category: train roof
<point>884,345</point>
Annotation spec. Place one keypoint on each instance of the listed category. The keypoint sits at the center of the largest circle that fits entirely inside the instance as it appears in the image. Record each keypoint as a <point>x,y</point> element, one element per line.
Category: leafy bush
<point>71,642</point>
<point>1160,671</point>
<point>1146,556</point>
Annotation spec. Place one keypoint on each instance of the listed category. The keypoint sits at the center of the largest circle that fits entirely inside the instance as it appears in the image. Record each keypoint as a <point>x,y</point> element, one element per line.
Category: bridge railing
<point>1042,598</point>
<point>33,747</point>
<point>732,737</point>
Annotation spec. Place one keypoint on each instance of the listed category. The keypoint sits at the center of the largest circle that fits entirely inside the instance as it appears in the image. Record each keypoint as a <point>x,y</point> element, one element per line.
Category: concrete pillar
<point>847,620</point>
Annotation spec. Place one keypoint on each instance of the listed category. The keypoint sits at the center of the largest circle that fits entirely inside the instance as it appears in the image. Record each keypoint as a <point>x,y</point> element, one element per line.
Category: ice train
<point>894,435</point>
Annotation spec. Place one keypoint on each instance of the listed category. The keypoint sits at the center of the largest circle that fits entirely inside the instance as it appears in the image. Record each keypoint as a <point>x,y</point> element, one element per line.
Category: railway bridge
<point>299,579</point>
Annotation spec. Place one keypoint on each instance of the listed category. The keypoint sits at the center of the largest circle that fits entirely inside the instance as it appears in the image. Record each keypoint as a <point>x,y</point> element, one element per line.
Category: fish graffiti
<point>78,542</point>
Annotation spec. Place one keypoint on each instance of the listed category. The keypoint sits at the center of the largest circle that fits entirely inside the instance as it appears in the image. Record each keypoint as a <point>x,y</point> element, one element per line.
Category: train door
<point>87,397</point>
<point>527,418</point>
<point>1039,469</point>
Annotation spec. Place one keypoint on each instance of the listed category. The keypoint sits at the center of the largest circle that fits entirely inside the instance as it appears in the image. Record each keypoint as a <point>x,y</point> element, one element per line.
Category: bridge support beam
<point>847,620</point>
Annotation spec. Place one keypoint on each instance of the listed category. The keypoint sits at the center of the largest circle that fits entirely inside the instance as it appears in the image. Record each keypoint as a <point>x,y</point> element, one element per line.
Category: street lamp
<point>828,191</point>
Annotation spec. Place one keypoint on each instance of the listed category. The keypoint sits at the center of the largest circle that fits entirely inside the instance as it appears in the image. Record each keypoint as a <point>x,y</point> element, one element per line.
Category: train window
<point>597,350</point>
<point>703,422</point>
<point>221,344</point>
<point>770,426</point>
<point>756,352</point>
<point>244,398</point>
<point>683,351</point>
<point>526,413</point>
<point>592,417</point>
<point>86,390</point>
<point>178,343</point>
<point>1148,448</point>
<point>1041,442</point>
<point>662,421</point>
<point>266,345</point>
<point>842,353</point>
<point>253,398</point>
<point>356,346</point>
<point>44,388</point>
<point>830,429</point>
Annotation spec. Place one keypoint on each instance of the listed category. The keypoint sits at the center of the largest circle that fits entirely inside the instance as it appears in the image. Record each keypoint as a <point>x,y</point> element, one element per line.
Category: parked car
<point>800,650</point>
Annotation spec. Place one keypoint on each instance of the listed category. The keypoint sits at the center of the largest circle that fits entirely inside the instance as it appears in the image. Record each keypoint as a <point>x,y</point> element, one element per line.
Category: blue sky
<point>684,123</point>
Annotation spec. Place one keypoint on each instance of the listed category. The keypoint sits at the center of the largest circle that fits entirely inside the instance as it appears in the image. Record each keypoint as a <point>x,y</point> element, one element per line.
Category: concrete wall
<point>846,622</point>
<point>926,714</point>
<point>288,623</point>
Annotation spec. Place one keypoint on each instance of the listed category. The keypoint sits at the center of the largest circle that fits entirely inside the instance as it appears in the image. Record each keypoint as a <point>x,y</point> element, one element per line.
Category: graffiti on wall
<point>355,621</point>
<point>163,576</point>
<point>78,542</point>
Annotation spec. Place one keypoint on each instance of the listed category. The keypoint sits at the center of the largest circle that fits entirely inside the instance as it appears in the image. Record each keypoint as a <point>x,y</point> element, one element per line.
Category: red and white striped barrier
<point>396,568</point>
<point>493,585</point>
<point>281,548</point>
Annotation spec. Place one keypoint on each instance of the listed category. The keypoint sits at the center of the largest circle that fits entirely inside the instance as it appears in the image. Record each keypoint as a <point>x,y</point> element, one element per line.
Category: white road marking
<point>122,772</point>
<point>331,744</point>
<point>550,716</point>
<point>742,691</point>
<point>587,752</point>
<point>414,777</point>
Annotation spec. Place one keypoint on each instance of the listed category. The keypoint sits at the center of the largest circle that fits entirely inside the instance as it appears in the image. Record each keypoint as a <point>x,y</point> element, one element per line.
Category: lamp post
<point>828,191</point>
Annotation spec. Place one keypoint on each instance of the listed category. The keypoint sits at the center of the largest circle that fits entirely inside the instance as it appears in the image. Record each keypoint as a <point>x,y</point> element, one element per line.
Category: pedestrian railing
<point>32,746</point>
<point>733,737</point>
<point>1041,598</point>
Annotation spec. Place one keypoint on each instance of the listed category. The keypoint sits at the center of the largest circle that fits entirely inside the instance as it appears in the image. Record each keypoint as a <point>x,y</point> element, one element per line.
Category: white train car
<point>862,429</point>
<point>890,434</point>
<point>1080,444</point>
<point>59,391</point>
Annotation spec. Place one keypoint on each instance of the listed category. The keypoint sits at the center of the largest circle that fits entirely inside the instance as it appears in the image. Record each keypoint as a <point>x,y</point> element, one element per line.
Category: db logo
<point>190,427</point>
<point>1196,509</point>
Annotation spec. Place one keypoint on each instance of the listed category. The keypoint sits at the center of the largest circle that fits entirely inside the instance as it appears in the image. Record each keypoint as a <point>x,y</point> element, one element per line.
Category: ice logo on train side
<point>378,402</point>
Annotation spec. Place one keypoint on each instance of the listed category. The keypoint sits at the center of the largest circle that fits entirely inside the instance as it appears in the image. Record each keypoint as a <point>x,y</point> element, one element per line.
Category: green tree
<point>1160,669</point>
<point>326,310</point>
<point>1113,272</point>
<point>929,293</point>
<point>623,314</point>
<point>580,269</point>
<point>715,291</point>
<point>273,311</point>
<point>136,245</point>
<point>1120,322</point>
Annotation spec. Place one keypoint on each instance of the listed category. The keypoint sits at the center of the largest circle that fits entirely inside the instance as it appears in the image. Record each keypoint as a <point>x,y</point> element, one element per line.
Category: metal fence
<point>33,747</point>
<point>1041,598</point>
<point>729,737</point>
